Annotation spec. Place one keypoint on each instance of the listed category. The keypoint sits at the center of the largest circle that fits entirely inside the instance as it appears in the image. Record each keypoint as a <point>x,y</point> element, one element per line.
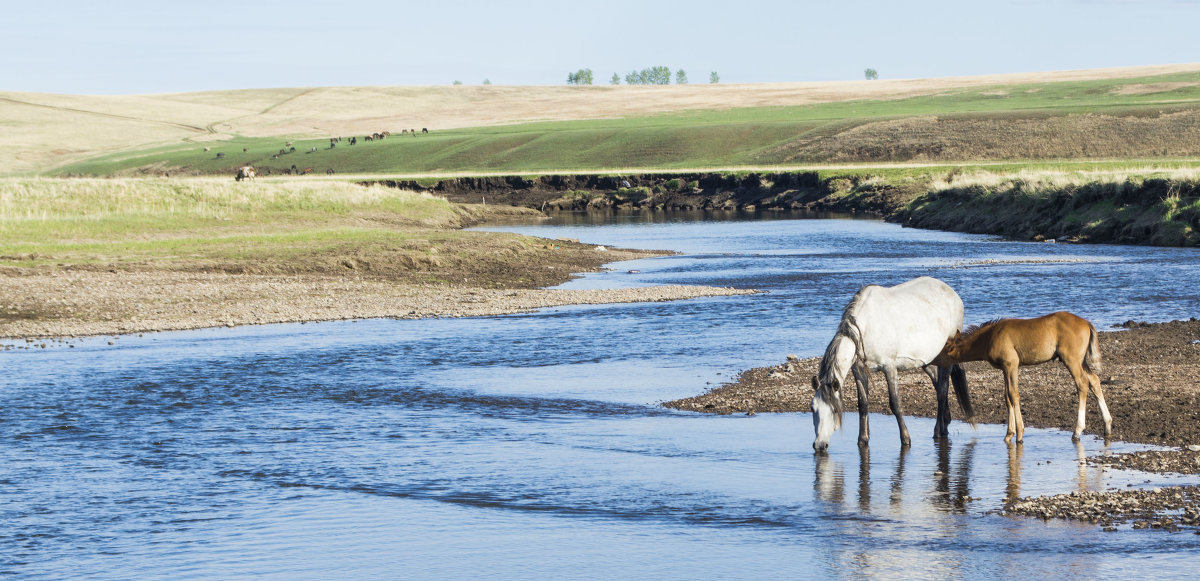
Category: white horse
<point>891,329</point>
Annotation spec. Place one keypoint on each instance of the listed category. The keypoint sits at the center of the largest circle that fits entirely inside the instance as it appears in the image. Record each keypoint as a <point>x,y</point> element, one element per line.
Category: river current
<point>532,446</point>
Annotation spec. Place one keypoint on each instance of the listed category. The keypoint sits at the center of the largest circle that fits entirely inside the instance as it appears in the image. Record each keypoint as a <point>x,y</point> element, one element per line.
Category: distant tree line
<point>580,77</point>
<point>649,76</point>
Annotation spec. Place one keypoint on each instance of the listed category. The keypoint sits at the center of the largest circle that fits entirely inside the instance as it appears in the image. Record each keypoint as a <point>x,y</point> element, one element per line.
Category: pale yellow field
<point>41,131</point>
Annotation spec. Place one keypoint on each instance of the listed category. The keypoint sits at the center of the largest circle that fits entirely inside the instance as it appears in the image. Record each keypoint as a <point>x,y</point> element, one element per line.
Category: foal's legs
<point>1081,386</point>
<point>862,378</point>
<point>1016,424</point>
<point>1083,380</point>
<point>889,373</point>
<point>1096,389</point>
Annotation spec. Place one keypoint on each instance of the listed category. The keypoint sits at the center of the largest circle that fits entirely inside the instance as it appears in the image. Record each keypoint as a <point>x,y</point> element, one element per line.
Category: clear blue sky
<point>155,46</point>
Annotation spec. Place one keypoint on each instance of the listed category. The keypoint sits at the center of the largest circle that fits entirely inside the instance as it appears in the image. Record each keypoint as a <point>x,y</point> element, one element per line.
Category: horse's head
<point>827,410</point>
<point>953,348</point>
<point>950,352</point>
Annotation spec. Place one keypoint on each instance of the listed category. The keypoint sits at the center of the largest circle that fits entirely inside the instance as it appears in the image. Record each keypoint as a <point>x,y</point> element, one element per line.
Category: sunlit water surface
<point>531,446</point>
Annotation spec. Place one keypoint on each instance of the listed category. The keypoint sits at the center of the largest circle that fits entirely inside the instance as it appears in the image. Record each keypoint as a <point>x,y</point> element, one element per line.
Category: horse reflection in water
<point>891,329</point>
<point>951,480</point>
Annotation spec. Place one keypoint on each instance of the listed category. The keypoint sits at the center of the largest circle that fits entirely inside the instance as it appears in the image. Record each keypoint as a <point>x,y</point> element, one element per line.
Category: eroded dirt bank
<point>1155,211</point>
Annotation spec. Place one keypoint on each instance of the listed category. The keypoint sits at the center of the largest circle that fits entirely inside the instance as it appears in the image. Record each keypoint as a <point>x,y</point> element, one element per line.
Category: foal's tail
<point>959,378</point>
<point>1091,359</point>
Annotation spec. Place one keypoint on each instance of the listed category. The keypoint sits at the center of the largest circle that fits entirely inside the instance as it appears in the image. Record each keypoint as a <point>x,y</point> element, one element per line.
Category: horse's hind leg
<point>1094,383</point>
<point>863,380</point>
<point>1081,385</point>
<point>941,386</point>
<point>889,373</point>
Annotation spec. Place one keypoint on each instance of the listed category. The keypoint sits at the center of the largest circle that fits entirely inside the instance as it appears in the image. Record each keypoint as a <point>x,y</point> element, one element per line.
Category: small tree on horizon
<point>871,74</point>
<point>681,77</point>
<point>580,77</point>
<point>615,80</point>
<point>714,78</point>
<point>487,81</point>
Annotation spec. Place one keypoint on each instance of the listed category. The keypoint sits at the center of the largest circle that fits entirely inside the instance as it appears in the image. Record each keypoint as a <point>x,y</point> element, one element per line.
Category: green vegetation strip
<point>1152,117</point>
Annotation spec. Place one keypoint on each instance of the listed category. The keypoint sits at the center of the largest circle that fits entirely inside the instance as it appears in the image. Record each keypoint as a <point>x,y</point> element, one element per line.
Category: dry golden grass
<point>1151,88</point>
<point>1056,180</point>
<point>44,131</point>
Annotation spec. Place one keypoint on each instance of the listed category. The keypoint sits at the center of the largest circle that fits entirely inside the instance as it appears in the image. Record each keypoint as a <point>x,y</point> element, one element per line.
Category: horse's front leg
<point>889,373</point>
<point>863,380</point>
<point>1016,424</point>
<point>941,386</point>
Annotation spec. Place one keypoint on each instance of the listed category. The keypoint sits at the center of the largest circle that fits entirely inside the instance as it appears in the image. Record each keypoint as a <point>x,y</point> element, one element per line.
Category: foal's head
<point>952,350</point>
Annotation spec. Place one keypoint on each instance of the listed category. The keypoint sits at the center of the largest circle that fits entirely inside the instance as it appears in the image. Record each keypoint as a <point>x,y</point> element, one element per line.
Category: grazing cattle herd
<point>247,171</point>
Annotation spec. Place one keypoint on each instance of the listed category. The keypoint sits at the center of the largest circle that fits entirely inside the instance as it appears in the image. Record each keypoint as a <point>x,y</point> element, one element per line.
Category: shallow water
<point>531,446</point>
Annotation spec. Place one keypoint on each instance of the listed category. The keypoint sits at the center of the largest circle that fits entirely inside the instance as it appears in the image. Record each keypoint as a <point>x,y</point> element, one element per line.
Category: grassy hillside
<point>1147,113</point>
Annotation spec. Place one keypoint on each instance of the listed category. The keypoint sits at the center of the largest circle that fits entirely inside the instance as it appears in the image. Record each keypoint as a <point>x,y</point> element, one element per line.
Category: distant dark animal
<point>368,138</point>
<point>220,154</point>
<point>307,170</point>
<point>329,171</point>
<point>244,150</point>
<point>424,130</point>
<point>353,141</point>
<point>291,150</point>
<point>403,131</point>
<point>295,169</point>
<point>1008,344</point>
<point>244,173</point>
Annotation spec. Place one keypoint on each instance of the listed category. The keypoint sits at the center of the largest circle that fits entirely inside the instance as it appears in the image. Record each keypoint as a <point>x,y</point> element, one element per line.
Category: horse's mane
<point>972,329</point>
<point>846,327</point>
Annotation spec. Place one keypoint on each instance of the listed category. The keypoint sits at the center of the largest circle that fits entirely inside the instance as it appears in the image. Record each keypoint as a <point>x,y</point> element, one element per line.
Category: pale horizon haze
<point>140,46</point>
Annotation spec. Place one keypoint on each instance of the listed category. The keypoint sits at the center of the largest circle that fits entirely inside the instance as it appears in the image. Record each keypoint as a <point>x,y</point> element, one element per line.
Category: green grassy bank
<point>322,227</point>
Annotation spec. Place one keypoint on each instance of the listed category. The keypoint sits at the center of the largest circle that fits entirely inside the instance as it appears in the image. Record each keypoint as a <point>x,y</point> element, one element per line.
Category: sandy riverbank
<point>75,303</point>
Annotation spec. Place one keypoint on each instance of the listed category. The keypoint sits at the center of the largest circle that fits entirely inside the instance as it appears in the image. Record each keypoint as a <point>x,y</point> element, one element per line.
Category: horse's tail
<point>1091,360</point>
<point>959,378</point>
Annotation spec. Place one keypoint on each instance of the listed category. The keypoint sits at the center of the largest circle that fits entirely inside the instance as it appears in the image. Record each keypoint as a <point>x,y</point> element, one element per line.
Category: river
<point>532,446</point>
